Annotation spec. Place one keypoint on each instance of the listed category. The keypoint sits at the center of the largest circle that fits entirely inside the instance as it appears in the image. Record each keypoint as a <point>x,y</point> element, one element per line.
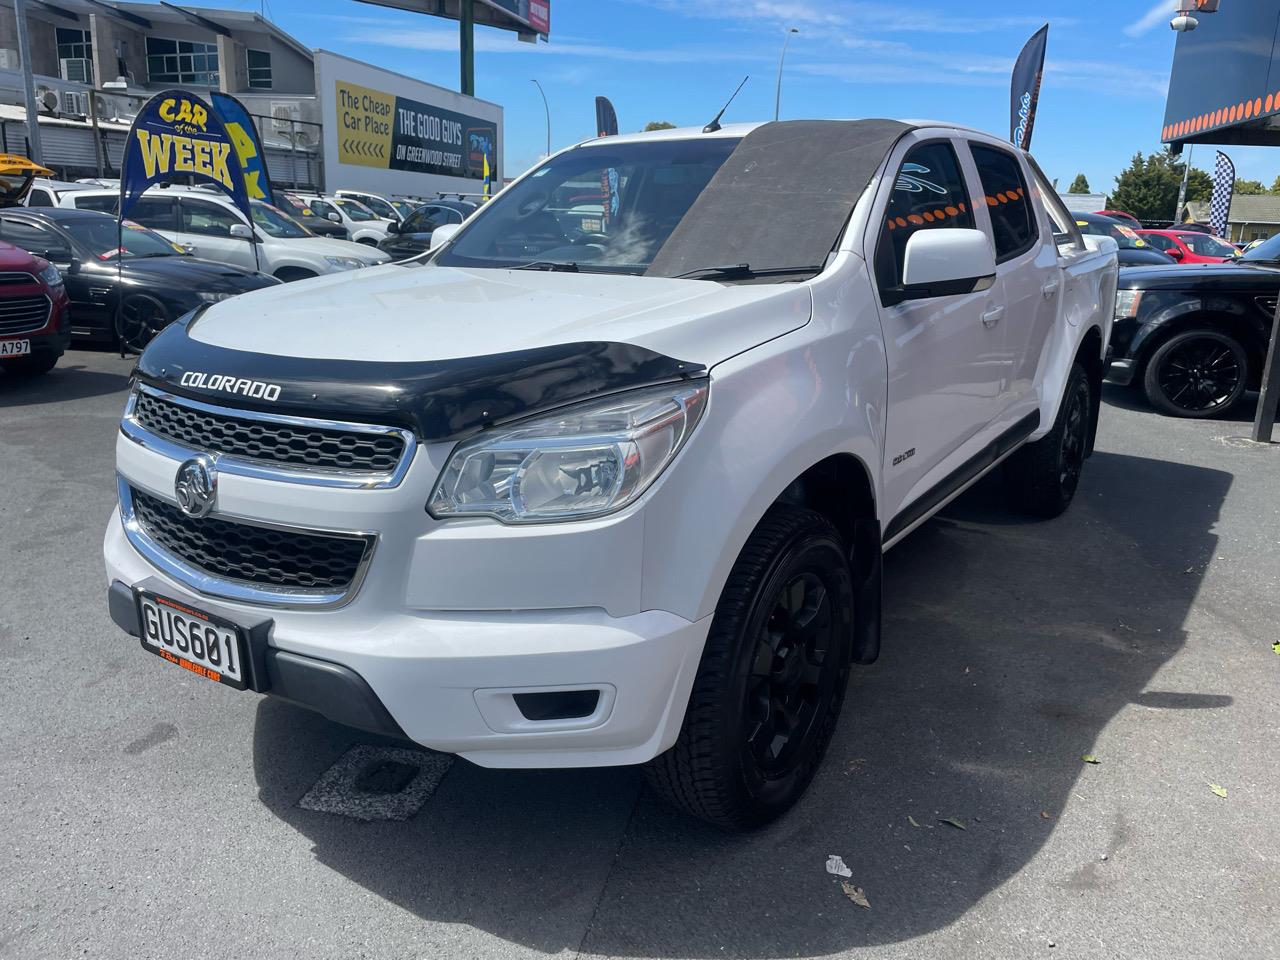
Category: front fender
<point>775,411</point>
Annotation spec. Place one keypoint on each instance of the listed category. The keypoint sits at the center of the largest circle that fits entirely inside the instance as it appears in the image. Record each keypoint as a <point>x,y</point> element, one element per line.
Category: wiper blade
<point>742,271</point>
<point>554,266</point>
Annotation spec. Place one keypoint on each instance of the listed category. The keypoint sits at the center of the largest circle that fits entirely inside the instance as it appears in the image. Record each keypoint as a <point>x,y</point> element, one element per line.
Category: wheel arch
<point>840,488</point>
<point>1090,356</point>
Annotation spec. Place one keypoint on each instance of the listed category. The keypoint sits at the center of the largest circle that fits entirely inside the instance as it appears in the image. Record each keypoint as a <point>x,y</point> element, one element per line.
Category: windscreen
<point>606,208</point>
<point>356,211</point>
<point>136,241</point>
<point>1205,245</point>
<point>1267,250</point>
<point>1122,234</point>
<point>276,223</point>
<point>380,207</point>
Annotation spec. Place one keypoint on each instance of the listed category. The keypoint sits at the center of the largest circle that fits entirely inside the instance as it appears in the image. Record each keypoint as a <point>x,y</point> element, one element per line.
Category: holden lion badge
<point>196,485</point>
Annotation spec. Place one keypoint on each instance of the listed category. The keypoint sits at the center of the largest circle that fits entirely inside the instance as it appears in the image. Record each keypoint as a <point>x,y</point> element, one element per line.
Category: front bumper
<point>448,679</point>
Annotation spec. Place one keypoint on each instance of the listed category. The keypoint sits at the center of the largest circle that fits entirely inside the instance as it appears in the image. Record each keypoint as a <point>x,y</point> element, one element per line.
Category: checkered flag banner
<point>1224,186</point>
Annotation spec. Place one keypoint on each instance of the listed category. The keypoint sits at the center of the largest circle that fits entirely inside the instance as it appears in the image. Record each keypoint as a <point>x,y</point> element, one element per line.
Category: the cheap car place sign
<point>392,132</point>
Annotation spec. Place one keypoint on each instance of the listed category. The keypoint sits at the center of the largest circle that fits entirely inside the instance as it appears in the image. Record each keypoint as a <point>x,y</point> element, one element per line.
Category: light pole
<point>546,106</point>
<point>777,97</point>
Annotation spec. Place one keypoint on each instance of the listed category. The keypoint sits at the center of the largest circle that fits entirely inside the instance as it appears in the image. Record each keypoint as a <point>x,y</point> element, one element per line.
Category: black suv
<point>1195,337</point>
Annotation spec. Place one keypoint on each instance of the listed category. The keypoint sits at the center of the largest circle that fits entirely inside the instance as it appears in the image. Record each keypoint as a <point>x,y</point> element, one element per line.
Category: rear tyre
<point>1198,373</point>
<point>290,274</point>
<point>1042,477</point>
<point>772,678</point>
<point>30,366</point>
<point>141,317</point>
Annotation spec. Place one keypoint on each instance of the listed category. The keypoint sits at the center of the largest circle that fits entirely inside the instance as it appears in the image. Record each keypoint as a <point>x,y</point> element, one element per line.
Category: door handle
<point>1049,289</point>
<point>992,316</point>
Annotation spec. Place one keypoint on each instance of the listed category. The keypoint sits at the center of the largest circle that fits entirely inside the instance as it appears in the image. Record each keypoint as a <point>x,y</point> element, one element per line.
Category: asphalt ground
<point>148,813</point>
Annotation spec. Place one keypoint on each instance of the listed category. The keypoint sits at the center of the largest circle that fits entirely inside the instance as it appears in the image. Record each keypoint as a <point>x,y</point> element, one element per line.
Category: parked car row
<point>64,274</point>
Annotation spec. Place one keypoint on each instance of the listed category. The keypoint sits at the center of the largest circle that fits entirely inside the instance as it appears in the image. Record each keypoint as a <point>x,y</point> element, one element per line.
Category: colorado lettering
<point>254,389</point>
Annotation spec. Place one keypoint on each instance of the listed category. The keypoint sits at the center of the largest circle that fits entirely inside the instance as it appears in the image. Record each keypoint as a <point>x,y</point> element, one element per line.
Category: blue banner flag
<point>176,136</point>
<point>1024,94</point>
<point>245,142</point>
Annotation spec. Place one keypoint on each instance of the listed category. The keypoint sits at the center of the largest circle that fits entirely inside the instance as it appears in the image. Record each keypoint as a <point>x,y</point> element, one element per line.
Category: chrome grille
<point>11,278</point>
<point>285,441</point>
<point>23,314</point>
<point>251,554</point>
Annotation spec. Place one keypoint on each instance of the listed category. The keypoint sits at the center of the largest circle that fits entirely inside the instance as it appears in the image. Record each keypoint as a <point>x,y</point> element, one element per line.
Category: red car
<point>1128,219</point>
<point>35,323</point>
<point>1187,246</point>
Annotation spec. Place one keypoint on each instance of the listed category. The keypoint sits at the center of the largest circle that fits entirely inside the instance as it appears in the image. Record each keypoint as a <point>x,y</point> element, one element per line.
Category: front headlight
<point>585,461</point>
<point>345,263</point>
<point>207,297</point>
<point>1127,303</point>
<point>51,276</point>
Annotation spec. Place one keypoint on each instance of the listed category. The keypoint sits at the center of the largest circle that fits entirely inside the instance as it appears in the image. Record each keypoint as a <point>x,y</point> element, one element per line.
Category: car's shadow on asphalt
<point>1007,650</point>
<point>1132,398</point>
<point>69,380</point>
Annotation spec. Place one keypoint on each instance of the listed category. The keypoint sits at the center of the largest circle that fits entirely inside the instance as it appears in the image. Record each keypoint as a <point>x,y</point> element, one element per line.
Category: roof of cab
<point>742,129</point>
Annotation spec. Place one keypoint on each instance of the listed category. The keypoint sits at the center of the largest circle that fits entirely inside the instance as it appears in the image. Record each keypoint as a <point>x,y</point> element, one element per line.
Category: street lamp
<point>777,97</point>
<point>546,107</point>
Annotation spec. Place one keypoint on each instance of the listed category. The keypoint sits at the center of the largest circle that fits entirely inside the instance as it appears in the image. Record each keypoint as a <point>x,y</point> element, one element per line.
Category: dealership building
<point>326,121</point>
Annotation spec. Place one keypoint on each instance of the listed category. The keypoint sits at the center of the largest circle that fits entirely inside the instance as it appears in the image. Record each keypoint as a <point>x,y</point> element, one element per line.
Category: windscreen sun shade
<point>782,197</point>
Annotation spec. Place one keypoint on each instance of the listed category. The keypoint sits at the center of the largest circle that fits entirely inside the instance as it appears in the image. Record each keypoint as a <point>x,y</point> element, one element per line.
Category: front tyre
<point>1042,477</point>
<point>772,678</point>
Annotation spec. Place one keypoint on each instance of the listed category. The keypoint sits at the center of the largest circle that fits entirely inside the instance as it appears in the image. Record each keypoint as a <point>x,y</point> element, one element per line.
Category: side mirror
<point>241,231</point>
<point>393,226</point>
<point>1175,253</point>
<point>334,217</point>
<point>188,249</point>
<point>442,235</point>
<point>946,262</point>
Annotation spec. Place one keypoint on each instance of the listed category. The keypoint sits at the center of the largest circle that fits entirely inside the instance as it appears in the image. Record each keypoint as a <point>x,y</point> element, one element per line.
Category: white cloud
<point>1162,12</point>
<point>863,16</point>
<point>446,41</point>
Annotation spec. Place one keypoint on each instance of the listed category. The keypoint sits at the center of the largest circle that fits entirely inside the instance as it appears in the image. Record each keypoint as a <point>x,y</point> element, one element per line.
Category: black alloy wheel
<point>1075,437</point>
<point>1042,477</point>
<point>772,678</point>
<point>788,688</point>
<point>1197,374</point>
<point>141,317</point>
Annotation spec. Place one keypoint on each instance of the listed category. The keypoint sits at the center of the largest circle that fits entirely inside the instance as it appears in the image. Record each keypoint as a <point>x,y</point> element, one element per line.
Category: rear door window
<point>153,212</point>
<point>1013,225</point>
<point>929,192</point>
<point>103,203</point>
<point>201,216</point>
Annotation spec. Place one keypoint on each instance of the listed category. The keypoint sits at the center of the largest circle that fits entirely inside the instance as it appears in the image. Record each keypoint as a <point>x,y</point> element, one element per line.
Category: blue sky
<point>678,60</point>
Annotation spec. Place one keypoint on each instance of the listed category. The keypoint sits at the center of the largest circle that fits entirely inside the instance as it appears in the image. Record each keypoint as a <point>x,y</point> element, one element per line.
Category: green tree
<point>1250,188</point>
<point>1199,187</point>
<point>658,125</point>
<point>1148,188</point>
<point>1275,187</point>
<point>1080,184</point>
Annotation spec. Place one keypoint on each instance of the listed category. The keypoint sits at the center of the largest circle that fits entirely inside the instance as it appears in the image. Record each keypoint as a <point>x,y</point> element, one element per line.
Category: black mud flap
<point>868,578</point>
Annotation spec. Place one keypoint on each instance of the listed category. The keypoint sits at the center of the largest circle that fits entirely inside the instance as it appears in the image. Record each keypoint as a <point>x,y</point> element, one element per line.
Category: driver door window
<point>929,192</point>
<point>35,240</point>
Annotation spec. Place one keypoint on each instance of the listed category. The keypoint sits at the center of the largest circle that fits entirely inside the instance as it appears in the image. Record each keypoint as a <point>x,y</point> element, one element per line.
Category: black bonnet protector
<point>436,399</point>
<point>782,197</point>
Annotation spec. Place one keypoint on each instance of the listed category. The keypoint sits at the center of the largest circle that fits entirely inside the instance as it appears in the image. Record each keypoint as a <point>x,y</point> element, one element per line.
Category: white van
<point>210,226</point>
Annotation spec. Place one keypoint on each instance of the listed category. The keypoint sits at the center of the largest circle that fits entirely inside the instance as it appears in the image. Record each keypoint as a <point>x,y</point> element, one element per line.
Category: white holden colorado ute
<point>614,489</point>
